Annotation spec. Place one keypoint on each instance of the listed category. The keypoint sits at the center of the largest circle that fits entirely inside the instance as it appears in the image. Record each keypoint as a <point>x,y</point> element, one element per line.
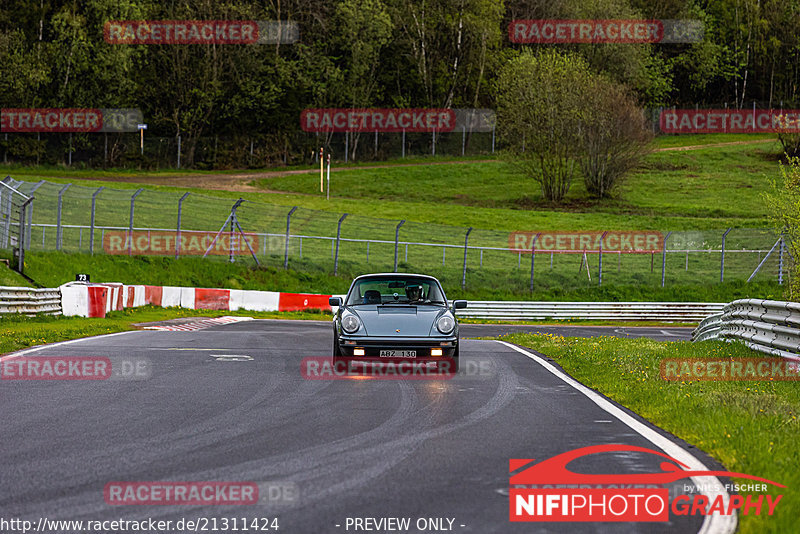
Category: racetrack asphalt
<point>228,403</point>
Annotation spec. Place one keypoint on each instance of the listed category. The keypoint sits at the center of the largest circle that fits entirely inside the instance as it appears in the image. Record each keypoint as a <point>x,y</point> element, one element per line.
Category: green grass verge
<point>710,188</point>
<point>54,268</point>
<point>751,427</point>
<point>20,331</point>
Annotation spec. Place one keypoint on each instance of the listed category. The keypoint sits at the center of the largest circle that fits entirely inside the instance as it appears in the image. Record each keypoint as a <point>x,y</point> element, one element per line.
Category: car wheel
<point>337,352</point>
<point>454,357</point>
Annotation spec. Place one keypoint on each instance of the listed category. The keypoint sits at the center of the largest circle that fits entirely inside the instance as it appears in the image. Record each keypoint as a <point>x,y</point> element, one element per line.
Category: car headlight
<point>350,323</point>
<point>445,324</point>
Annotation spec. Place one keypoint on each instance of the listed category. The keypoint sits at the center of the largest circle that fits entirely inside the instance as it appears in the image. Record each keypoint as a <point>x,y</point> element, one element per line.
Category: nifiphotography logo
<point>548,491</point>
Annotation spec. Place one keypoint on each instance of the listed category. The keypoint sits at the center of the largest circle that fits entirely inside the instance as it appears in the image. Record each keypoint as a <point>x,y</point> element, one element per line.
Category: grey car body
<point>394,322</point>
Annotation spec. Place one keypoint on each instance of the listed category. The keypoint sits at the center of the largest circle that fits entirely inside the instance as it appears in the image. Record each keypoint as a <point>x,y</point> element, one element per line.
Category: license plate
<point>398,354</point>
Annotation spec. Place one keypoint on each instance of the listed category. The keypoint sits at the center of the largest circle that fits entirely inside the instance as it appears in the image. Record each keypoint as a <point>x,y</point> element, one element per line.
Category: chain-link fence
<point>14,219</point>
<point>78,219</point>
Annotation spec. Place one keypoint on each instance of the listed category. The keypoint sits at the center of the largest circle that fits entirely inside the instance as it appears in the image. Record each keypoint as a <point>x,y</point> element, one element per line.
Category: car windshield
<point>396,290</point>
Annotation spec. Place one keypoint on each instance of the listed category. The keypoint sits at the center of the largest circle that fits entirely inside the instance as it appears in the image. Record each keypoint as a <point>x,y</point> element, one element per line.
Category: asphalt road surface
<point>229,404</point>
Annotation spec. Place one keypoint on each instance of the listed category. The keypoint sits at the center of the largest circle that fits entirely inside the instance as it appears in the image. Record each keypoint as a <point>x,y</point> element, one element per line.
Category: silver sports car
<point>396,317</point>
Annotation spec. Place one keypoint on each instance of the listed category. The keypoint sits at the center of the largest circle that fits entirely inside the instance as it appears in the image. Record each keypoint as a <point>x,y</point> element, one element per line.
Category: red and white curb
<point>198,325</point>
<point>95,300</point>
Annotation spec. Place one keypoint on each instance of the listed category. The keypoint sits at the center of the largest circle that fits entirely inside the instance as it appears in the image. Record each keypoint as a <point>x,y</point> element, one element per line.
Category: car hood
<point>398,321</point>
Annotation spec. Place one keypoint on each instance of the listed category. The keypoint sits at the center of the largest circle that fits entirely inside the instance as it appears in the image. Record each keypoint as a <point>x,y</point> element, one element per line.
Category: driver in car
<point>414,293</point>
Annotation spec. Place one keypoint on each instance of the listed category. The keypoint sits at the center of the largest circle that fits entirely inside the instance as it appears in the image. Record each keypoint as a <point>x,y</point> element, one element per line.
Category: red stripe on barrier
<point>303,301</point>
<point>119,304</point>
<point>212,299</point>
<point>130,290</point>
<point>153,294</point>
<point>97,301</point>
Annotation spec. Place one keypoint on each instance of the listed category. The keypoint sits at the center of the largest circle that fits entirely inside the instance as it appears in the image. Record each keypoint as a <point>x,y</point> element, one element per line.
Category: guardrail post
<point>722,259</point>
<point>286,249</point>
<point>533,256</point>
<point>396,241</point>
<point>338,235</point>
<point>464,272</point>
<point>59,229</point>
<point>91,224</point>
<point>178,228</point>
<point>130,221</point>
<point>600,262</point>
<point>664,259</point>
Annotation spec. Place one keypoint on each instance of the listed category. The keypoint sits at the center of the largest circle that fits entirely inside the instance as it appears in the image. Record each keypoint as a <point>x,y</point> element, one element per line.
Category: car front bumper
<point>372,346</point>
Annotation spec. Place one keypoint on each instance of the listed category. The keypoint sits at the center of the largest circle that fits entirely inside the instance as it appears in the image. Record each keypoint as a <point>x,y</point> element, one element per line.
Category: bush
<point>614,139</point>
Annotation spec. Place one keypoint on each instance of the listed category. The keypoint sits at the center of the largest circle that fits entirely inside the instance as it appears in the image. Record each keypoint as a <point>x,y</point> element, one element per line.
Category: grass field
<point>750,427</point>
<point>697,193</point>
<point>51,269</point>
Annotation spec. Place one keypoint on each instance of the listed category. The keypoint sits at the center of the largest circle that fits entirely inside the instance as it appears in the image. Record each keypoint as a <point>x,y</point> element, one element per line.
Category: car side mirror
<point>335,301</point>
<point>459,304</point>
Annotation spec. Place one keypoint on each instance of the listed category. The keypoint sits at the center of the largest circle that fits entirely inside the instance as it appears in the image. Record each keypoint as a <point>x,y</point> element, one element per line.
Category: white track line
<point>712,524</point>
<point>23,352</point>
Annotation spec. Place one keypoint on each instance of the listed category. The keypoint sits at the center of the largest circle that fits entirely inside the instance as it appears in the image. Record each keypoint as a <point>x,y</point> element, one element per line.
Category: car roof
<point>381,275</point>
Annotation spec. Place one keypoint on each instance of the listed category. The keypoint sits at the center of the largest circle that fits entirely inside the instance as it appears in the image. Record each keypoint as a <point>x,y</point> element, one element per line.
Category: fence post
<point>59,229</point>
<point>464,272</point>
<point>463,139</point>
<point>178,229</point>
<point>130,221</point>
<point>403,152</point>
<point>493,138</point>
<point>780,262</point>
<point>338,235</point>
<point>664,258</point>
<point>179,152</point>
<point>286,249</point>
<point>600,261</point>
<point>765,259</point>
<point>396,240</point>
<point>29,212</point>
<point>21,237</point>
<point>91,224</point>
<point>722,260</point>
<point>533,256</point>
<point>346,146</point>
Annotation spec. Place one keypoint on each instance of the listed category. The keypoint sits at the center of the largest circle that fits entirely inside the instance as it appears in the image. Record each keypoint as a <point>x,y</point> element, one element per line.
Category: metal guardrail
<point>29,300</point>
<point>627,311</point>
<point>768,326</point>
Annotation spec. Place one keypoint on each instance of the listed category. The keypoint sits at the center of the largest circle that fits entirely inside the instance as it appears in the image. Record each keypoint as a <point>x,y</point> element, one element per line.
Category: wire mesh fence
<point>79,219</point>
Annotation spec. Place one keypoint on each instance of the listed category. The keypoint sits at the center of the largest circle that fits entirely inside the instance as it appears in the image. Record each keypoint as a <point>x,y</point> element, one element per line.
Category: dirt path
<point>241,181</point>
<point>712,145</point>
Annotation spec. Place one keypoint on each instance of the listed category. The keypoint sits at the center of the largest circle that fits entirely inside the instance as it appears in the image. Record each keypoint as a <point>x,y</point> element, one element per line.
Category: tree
<point>784,204</point>
<point>614,138</point>
<point>540,109</point>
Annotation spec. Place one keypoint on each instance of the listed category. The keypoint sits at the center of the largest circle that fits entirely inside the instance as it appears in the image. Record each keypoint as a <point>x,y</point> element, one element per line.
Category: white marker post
<point>321,162</point>
<point>141,128</point>
<point>328,194</point>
